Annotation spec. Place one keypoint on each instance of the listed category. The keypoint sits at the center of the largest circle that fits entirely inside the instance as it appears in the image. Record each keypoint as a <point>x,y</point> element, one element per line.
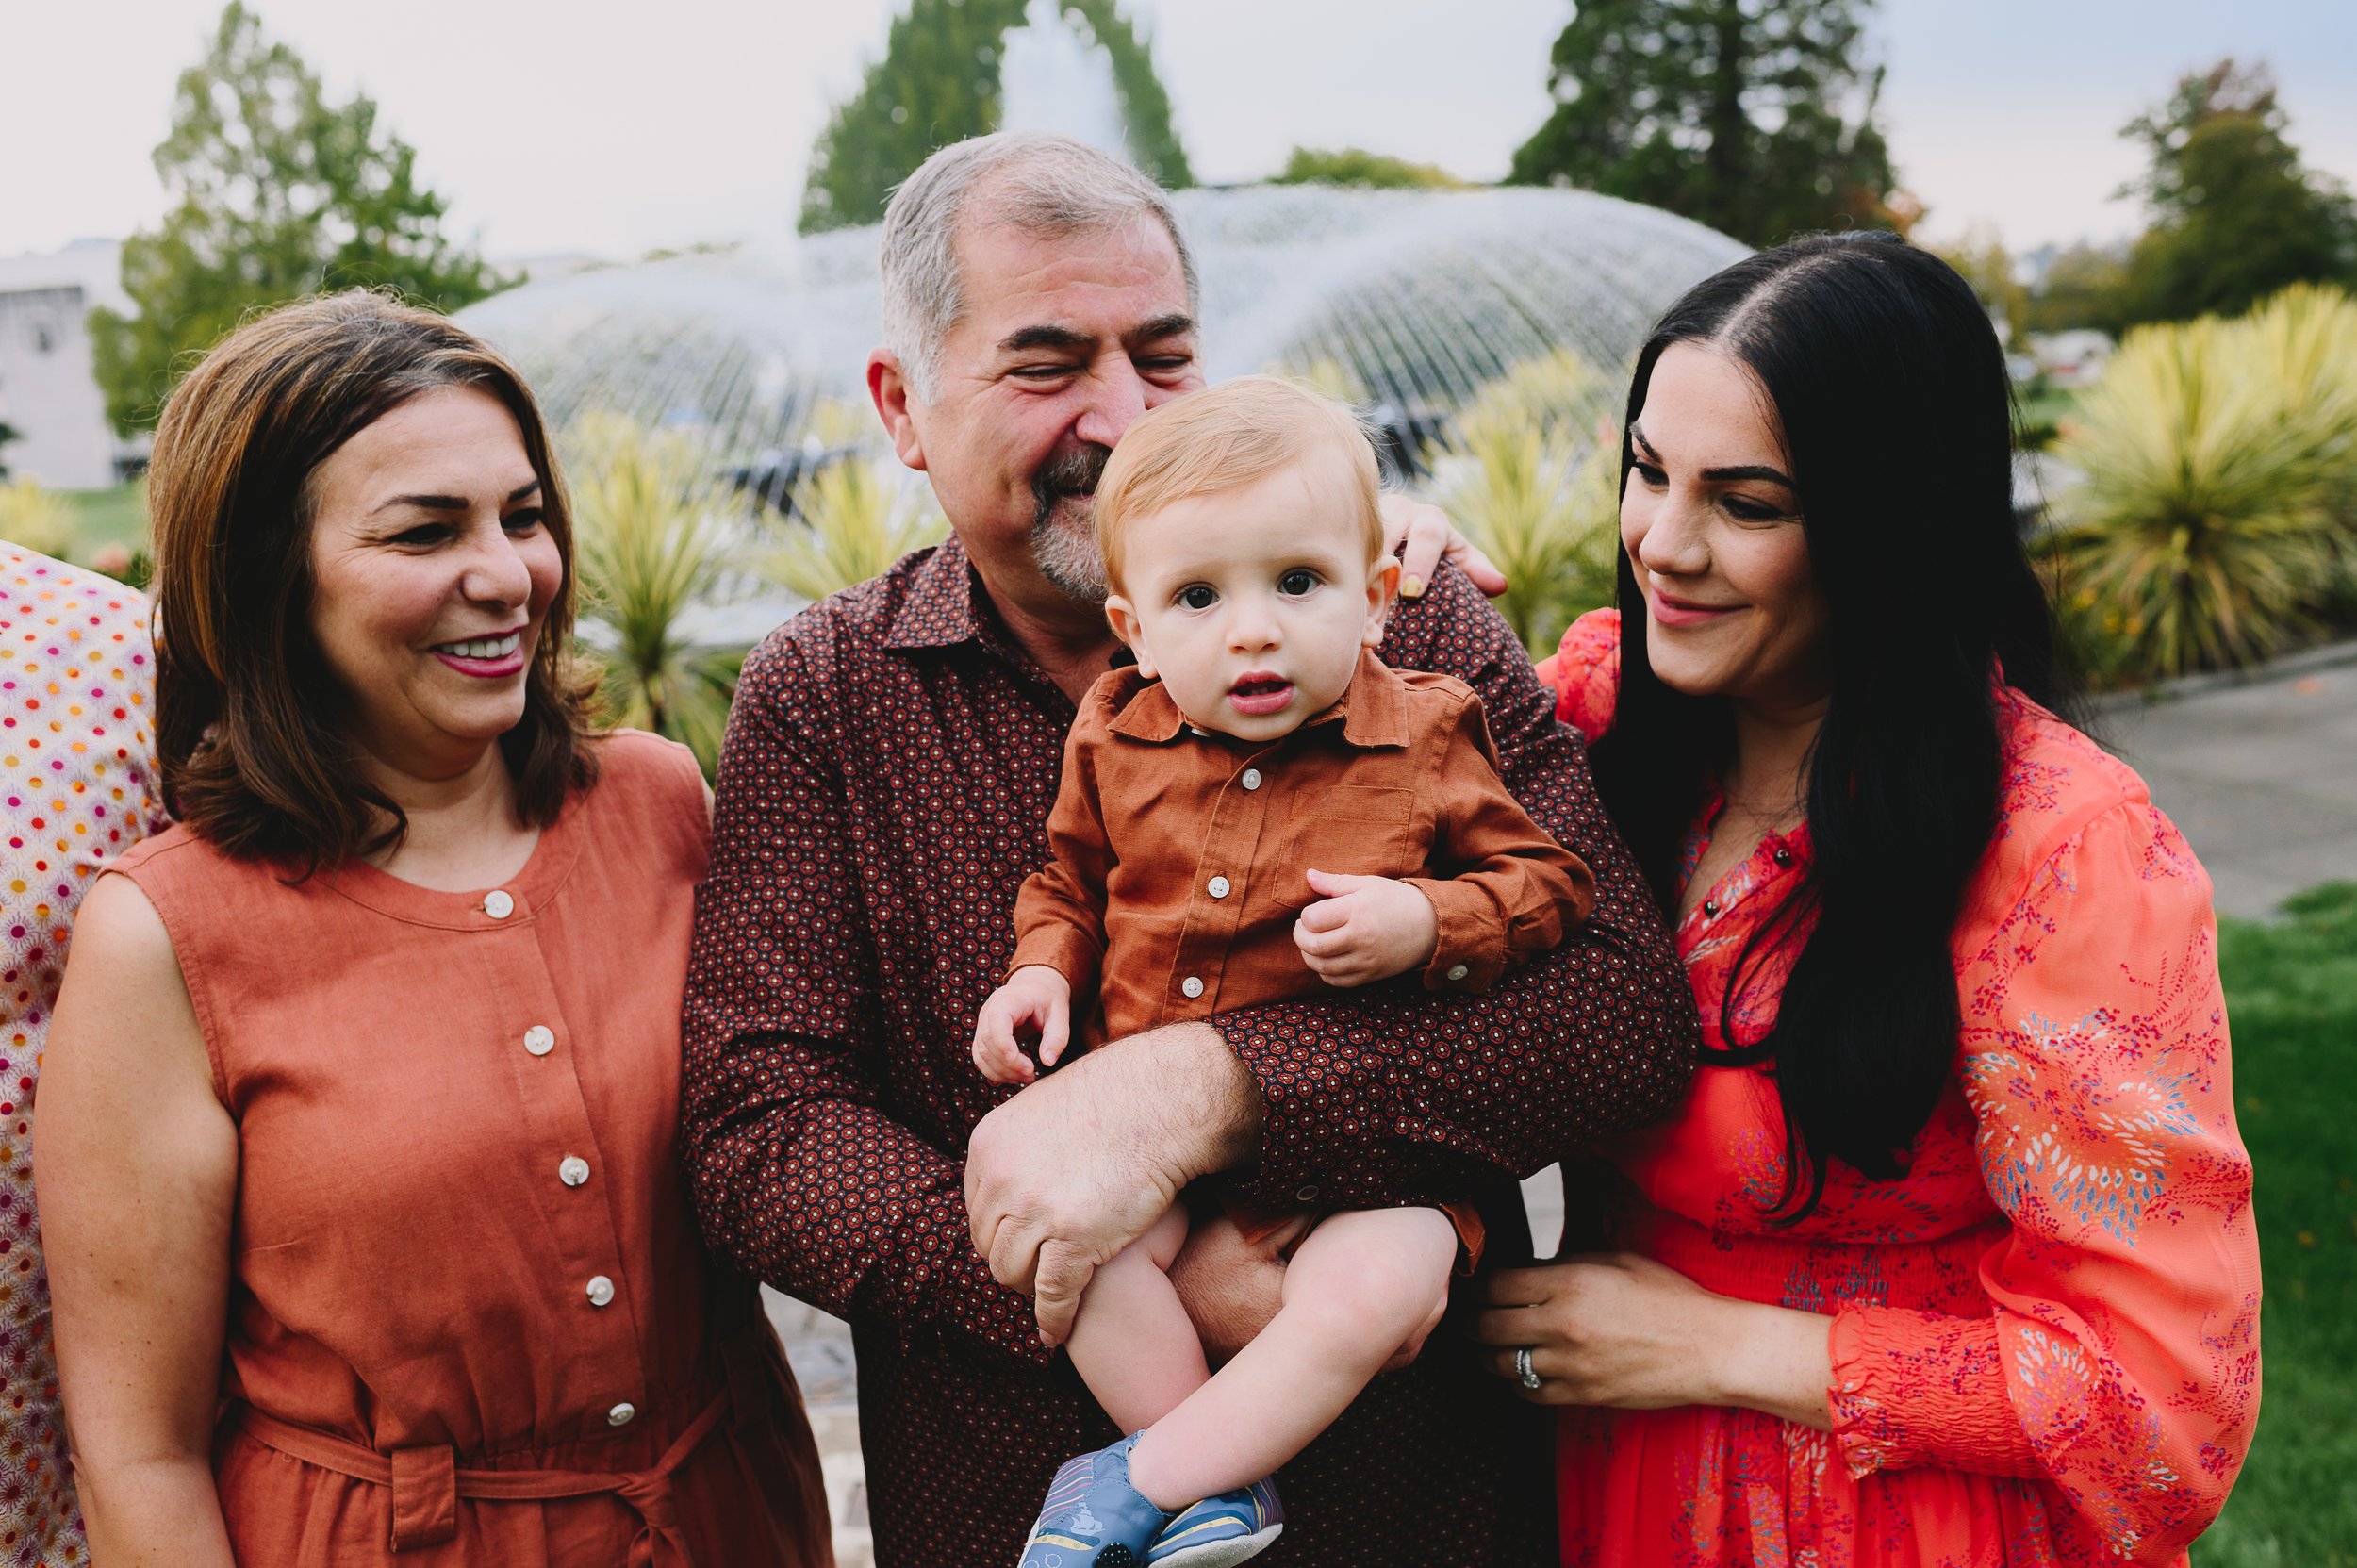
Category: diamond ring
<point>1523,1369</point>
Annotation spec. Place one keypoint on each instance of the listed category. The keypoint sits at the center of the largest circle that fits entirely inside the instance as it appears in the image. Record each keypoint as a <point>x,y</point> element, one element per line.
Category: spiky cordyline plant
<point>2218,458</point>
<point>858,517</point>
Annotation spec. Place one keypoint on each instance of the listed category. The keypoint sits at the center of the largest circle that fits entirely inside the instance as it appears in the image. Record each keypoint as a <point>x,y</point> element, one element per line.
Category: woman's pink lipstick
<point>493,669</point>
<point>1675,611</point>
<point>1257,692</point>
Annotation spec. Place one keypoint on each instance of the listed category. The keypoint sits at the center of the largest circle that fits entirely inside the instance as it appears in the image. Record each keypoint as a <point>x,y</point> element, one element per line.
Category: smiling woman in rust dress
<point>367,1073</point>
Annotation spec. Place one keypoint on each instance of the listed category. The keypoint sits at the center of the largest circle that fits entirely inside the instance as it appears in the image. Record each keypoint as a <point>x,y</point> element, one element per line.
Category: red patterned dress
<point>2046,1334</point>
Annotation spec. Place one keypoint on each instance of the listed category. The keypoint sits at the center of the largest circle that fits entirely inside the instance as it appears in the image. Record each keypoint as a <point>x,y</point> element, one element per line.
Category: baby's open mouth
<point>1257,693</point>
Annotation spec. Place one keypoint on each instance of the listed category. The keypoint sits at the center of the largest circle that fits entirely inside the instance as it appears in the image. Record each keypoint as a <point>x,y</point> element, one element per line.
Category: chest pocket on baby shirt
<point>1359,829</point>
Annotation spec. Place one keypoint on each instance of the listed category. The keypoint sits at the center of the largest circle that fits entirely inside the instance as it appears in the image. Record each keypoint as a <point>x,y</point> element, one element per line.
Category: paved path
<point>2260,777</point>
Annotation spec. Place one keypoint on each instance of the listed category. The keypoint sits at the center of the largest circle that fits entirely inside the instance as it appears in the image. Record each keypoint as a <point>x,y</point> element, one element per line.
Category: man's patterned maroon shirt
<point>883,792</point>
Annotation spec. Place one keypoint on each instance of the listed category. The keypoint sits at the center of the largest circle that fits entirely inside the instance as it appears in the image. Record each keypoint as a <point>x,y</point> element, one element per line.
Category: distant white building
<point>2073,359</point>
<point>47,391</point>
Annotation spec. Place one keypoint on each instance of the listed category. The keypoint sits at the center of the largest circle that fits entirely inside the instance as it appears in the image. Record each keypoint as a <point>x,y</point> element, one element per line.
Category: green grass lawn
<point>117,515</point>
<point>2291,996</point>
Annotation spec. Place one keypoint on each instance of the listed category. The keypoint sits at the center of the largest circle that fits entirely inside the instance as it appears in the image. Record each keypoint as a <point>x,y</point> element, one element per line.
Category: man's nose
<point>1116,396</point>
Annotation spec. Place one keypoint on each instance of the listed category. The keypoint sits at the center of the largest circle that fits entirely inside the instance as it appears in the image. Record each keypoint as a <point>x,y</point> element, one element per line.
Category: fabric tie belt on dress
<point>427,1482</point>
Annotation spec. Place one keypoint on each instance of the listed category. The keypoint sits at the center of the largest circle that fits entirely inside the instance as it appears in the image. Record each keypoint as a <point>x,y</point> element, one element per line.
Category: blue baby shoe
<point>1221,1530</point>
<point>1094,1518</point>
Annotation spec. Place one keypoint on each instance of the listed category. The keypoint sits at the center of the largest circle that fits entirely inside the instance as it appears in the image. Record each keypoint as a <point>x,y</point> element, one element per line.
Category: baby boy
<point>1256,811</point>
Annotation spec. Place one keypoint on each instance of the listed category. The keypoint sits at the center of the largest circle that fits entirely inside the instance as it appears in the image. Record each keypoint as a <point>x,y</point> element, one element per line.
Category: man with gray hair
<point>883,791</point>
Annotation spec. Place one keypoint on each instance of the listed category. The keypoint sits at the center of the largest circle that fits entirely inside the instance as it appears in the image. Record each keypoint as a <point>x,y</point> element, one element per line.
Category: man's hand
<point>1035,999</point>
<point>1365,928</point>
<point>1082,1163</point>
<point>1422,534</point>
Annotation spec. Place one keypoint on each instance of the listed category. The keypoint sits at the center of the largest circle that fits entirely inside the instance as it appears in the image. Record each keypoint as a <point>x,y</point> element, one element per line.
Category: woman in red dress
<point>1948,1258</point>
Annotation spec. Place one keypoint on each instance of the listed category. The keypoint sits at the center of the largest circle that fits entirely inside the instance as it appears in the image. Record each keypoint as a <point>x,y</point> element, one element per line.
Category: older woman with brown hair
<point>358,1159</point>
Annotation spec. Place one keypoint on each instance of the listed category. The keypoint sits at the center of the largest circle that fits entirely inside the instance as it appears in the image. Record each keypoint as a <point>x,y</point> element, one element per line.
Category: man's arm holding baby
<point>1379,1098</point>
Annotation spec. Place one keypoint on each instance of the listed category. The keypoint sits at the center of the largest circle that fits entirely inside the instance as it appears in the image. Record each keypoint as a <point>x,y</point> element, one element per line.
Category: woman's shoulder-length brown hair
<point>253,757</point>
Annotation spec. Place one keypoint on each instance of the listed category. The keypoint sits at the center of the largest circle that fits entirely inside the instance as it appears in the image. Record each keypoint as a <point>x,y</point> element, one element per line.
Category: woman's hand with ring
<point>1623,1330</point>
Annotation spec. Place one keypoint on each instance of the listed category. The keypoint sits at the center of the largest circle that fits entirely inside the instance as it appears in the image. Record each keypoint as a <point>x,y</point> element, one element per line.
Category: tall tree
<point>938,83</point>
<point>1757,117</point>
<point>275,193</point>
<point>2236,215</point>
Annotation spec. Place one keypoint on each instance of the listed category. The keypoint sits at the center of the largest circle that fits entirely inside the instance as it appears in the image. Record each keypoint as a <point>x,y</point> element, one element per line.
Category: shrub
<point>1531,473</point>
<point>858,517</point>
<point>40,520</point>
<point>2220,461</point>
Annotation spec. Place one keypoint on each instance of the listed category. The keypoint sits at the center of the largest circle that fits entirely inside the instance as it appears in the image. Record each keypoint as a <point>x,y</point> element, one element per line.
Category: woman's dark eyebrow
<point>1753,470</point>
<point>451,503</point>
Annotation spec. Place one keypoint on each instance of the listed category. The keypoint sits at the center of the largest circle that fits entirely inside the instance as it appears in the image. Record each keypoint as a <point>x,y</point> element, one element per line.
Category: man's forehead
<point>1095,282</point>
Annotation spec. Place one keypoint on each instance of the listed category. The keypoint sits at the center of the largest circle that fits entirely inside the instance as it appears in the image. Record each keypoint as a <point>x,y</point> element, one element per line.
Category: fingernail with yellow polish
<point>1411,587</point>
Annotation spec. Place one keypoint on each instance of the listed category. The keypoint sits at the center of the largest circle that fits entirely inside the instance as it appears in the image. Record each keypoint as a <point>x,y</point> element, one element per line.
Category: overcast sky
<point>633,124</point>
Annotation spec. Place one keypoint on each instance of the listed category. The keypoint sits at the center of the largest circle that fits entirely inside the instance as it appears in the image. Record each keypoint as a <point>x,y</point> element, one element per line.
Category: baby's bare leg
<point>1133,1342</point>
<point>1361,1285</point>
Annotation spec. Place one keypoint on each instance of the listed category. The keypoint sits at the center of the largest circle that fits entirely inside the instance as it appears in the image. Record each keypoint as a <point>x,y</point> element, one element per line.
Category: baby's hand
<point>1365,928</point>
<point>1035,997</point>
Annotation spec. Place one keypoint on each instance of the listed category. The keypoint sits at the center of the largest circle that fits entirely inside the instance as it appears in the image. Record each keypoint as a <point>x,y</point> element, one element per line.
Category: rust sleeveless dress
<point>471,1321</point>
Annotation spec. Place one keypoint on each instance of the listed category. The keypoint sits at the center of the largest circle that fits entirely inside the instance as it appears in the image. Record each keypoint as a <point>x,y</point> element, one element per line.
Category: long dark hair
<point>247,726</point>
<point>1890,387</point>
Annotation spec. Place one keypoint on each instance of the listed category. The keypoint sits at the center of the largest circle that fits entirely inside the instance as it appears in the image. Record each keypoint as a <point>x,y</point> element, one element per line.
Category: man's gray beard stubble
<point>1064,546</point>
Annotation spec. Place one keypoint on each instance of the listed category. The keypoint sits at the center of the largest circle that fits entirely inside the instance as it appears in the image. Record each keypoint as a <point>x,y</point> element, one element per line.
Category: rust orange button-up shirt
<point>1180,858</point>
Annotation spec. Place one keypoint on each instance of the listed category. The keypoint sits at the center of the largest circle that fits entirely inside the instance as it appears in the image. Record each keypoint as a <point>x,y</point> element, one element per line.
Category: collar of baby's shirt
<point>1371,711</point>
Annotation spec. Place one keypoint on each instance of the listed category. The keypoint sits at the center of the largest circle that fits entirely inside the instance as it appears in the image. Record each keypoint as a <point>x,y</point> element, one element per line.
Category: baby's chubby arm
<point>1365,928</point>
<point>1037,998</point>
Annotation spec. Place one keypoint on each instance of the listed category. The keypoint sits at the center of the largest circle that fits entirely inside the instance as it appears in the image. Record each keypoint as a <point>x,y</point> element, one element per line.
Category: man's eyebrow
<point>1047,336</point>
<point>1177,323</point>
<point>451,502</point>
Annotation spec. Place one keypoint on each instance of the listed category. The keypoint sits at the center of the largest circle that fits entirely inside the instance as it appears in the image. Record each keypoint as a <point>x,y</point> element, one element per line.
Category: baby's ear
<point>1123,617</point>
<point>1382,591</point>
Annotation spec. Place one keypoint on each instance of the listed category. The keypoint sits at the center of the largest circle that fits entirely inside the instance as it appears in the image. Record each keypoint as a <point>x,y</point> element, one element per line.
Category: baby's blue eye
<point>1197,597</point>
<point>1297,582</point>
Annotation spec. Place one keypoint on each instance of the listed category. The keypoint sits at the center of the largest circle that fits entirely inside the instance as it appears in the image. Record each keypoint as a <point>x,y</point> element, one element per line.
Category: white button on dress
<point>1192,985</point>
<point>601,1289</point>
<point>539,1039</point>
<point>572,1170</point>
<point>1252,777</point>
<point>498,904</point>
<point>1457,971</point>
<point>1218,888</point>
<point>621,1414</point>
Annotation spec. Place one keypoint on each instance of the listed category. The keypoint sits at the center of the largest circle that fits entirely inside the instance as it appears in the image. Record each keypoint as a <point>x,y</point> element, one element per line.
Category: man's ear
<point>888,388</point>
<point>1382,588</point>
<point>1124,618</point>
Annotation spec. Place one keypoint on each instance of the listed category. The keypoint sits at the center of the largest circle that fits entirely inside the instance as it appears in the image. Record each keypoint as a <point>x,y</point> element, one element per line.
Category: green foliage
<point>8,432</point>
<point>2235,216</point>
<point>938,83</point>
<point>857,518</point>
<point>1983,261</point>
<point>1756,119</point>
<point>1531,474</point>
<point>276,193</point>
<point>2291,996</point>
<point>1356,166</point>
<point>2215,520</point>
<point>2085,286</point>
<point>40,520</point>
<point>652,544</point>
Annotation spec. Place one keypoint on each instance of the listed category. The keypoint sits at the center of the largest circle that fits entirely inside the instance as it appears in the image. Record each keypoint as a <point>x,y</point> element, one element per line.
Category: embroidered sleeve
<point>2124,1337</point>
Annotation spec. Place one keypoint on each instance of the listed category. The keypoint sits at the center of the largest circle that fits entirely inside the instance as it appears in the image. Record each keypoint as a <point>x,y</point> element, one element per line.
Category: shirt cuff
<point>1914,1387</point>
<point>1470,953</point>
<point>1058,947</point>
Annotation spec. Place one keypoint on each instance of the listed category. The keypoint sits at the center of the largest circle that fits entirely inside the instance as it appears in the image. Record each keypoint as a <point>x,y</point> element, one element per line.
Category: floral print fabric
<point>2045,1334</point>
<point>79,779</point>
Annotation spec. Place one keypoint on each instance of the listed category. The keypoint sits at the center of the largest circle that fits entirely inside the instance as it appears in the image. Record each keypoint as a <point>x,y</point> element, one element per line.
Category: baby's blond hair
<point>1225,438</point>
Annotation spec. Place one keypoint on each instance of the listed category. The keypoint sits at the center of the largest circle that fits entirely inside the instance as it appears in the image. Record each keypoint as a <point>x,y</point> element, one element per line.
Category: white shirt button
<point>498,905</point>
<point>1457,971</point>
<point>601,1289</point>
<point>539,1039</point>
<point>572,1170</point>
<point>621,1414</point>
<point>1252,777</point>
<point>1219,887</point>
<point>1192,985</point>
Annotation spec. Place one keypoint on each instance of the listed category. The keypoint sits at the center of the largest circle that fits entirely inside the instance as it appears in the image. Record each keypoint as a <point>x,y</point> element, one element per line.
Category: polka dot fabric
<point>883,792</point>
<point>77,777</point>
